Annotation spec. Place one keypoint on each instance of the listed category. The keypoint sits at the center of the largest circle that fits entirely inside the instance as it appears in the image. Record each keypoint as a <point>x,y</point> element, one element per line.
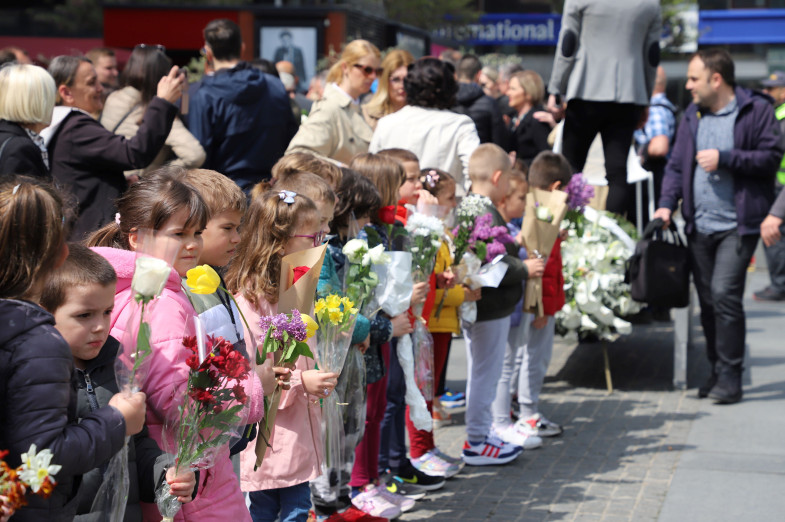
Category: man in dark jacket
<point>240,115</point>
<point>87,158</point>
<point>481,108</point>
<point>722,168</point>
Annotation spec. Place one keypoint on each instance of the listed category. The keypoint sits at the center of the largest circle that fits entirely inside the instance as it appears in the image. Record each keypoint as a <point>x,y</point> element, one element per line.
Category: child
<point>411,188</point>
<point>164,202</point>
<point>489,171</point>
<point>423,451</point>
<point>296,162</point>
<point>548,171</point>
<point>36,362</point>
<point>387,434</point>
<point>226,204</point>
<point>80,295</point>
<point>282,224</point>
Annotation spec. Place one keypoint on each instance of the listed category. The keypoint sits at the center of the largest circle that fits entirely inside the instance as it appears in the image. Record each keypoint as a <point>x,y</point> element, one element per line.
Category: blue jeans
<point>392,447</point>
<point>719,266</point>
<point>291,504</point>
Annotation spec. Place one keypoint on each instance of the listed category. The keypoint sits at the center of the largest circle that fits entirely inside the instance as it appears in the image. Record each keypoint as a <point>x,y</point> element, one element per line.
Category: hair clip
<point>16,189</point>
<point>287,196</point>
<point>117,218</point>
<point>432,178</point>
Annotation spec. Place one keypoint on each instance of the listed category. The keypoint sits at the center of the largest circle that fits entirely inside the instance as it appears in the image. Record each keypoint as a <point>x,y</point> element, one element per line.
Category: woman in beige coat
<point>125,108</point>
<point>390,95</point>
<point>335,128</point>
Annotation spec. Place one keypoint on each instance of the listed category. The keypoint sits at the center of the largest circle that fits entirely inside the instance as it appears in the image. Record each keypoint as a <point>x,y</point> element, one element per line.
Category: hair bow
<point>287,196</point>
<point>432,178</point>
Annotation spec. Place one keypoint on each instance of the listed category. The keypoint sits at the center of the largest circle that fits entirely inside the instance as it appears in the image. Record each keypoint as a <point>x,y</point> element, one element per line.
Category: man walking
<point>240,115</point>
<point>722,168</point>
<point>774,86</point>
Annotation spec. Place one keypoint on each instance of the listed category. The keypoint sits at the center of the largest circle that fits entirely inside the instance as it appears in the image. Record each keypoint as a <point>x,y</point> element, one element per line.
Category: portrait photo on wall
<point>297,45</point>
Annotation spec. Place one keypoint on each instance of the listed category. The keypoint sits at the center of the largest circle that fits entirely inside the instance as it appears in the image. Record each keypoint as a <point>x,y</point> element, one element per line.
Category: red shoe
<point>354,515</point>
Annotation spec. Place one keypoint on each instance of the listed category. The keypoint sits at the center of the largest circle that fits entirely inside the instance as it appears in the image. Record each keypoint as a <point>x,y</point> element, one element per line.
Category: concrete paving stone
<point>627,490</point>
<point>593,506</point>
<point>585,517</point>
<point>615,518</point>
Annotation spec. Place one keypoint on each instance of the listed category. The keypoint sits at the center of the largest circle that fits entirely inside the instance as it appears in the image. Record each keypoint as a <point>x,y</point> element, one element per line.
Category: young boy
<point>80,295</point>
<point>489,171</point>
<point>548,171</point>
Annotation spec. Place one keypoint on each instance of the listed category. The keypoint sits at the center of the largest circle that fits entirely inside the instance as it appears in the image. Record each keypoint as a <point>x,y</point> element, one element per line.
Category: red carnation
<point>387,215</point>
<point>239,394</point>
<point>203,396</point>
<point>190,342</point>
<point>193,362</point>
<point>299,271</point>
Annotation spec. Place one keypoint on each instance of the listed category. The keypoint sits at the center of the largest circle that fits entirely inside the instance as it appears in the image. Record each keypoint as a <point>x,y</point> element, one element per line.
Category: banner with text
<point>501,29</point>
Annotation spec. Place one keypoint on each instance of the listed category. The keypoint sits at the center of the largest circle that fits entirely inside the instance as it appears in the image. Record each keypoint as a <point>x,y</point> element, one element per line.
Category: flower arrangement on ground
<point>35,474</point>
<point>213,410</point>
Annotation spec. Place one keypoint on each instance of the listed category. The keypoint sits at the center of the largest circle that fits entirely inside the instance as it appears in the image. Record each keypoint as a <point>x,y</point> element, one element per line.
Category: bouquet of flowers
<point>596,295</point>
<point>425,233</point>
<point>285,334</point>
<point>359,278</point>
<point>544,213</point>
<point>36,473</point>
<point>213,409</point>
<point>579,194</point>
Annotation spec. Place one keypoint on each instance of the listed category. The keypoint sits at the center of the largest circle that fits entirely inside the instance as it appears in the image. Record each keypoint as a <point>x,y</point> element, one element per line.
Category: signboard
<point>501,29</point>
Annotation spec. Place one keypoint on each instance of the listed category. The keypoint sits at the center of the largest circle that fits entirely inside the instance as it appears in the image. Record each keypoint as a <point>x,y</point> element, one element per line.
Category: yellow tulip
<point>310,325</point>
<point>203,280</point>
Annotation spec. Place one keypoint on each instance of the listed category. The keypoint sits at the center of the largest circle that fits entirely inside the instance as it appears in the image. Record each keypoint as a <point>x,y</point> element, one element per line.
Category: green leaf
<point>302,348</point>
<point>373,237</point>
<point>201,380</point>
<point>143,348</point>
<point>261,353</point>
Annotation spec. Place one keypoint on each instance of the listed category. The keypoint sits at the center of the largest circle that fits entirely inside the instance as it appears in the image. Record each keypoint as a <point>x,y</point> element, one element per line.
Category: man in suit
<point>605,66</point>
<point>291,53</point>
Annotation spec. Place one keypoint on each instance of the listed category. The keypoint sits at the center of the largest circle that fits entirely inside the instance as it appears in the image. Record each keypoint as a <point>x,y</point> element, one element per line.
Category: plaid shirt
<point>661,122</point>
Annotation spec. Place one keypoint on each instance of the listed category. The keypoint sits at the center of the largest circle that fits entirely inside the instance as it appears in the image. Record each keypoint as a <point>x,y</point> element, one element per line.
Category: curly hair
<point>431,84</point>
<point>256,269</point>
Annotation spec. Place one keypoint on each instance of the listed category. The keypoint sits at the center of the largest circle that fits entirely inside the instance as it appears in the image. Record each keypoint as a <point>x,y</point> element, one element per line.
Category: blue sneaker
<point>453,400</point>
<point>491,452</point>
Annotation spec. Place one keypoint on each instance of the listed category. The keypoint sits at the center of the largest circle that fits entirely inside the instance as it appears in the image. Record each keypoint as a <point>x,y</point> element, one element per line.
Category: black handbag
<point>659,271</point>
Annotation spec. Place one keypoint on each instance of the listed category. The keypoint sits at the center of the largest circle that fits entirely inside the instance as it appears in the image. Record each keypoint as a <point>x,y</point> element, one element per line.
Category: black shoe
<point>408,474</point>
<point>704,390</point>
<point>769,294</point>
<point>728,387</point>
<point>397,486</point>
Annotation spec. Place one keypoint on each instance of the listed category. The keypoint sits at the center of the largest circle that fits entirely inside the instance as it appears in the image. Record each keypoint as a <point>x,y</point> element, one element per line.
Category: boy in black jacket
<point>80,295</point>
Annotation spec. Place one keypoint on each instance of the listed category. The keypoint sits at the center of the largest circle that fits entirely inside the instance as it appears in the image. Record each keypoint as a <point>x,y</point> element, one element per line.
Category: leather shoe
<point>704,390</point>
<point>728,387</point>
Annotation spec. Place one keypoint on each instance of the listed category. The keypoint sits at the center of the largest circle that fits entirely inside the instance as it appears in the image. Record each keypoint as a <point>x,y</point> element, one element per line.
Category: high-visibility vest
<point>780,114</point>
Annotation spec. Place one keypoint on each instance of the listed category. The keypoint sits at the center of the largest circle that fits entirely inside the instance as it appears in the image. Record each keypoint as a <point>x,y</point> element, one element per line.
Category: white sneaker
<point>539,426</point>
<point>510,434</point>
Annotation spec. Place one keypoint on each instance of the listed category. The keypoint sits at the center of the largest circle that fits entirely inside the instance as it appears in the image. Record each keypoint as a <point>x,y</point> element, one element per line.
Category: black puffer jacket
<point>19,154</point>
<point>483,110</point>
<point>96,385</point>
<point>38,405</point>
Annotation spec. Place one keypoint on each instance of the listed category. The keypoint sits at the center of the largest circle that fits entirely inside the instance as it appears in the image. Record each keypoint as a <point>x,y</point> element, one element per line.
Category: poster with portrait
<point>297,45</point>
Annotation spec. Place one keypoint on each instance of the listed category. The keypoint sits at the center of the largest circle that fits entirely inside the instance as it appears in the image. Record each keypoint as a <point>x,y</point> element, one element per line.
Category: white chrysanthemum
<point>37,467</point>
<point>422,225</point>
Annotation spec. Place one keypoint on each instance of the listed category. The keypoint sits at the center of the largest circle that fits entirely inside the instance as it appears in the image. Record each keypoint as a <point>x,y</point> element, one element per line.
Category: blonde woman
<point>390,95</point>
<point>526,95</point>
<point>27,99</point>
<point>335,127</point>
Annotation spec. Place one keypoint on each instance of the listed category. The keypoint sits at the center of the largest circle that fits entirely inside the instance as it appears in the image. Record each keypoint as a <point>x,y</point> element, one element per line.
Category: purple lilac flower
<point>281,323</point>
<point>494,249</point>
<point>482,228</point>
<point>297,326</point>
<point>579,192</point>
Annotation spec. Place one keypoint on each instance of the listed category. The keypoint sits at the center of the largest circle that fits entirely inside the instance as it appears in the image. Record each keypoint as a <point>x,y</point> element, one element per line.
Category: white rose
<point>377,256</point>
<point>621,326</point>
<point>355,249</point>
<point>544,214</point>
<point>150,276</point>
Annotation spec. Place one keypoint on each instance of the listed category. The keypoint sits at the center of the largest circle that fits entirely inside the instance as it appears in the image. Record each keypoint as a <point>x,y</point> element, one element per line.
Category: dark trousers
<point>775,258</point>
<point>719,266</point>
<point>392,447</point>
<point>615,122</point>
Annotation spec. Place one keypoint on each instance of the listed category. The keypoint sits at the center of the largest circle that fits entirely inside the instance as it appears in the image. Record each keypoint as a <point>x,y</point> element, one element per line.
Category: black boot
<point>704,390</point>
<point>728,387</point>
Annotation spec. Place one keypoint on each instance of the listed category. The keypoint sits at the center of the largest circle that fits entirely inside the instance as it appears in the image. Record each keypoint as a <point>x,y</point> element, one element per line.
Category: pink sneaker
<point>371,501</point>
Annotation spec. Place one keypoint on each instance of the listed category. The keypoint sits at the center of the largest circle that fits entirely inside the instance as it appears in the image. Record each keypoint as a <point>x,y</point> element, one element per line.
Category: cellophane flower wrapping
<point>213,406</point>
<point>394,291</point>
<point>596,296</point>
<point>155,255</point>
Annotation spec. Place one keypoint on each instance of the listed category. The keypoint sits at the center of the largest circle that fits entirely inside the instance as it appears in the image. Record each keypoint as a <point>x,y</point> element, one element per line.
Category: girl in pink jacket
<point>284,222</point>
<point>164,202</point>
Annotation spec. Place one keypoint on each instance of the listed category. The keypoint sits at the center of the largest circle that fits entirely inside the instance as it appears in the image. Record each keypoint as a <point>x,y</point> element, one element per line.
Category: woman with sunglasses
<point>426,126</point>
<point>124,109</point>
<point>335,128</point>
<point>390,95</point>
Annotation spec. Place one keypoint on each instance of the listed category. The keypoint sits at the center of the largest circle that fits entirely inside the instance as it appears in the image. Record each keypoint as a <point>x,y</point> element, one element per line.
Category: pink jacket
<point>295,452</point>
<point>219,498</point>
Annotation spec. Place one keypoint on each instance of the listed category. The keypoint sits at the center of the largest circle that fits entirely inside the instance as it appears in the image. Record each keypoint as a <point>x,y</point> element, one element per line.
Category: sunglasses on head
<point>368,70</point>
<point>148,46</point>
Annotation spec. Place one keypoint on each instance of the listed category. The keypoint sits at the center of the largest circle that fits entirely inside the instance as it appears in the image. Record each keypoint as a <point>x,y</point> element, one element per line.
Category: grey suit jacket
<point>608,50</point>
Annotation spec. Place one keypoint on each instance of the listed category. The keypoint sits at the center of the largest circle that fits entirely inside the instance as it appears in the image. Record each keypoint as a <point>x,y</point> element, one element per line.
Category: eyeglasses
<point>368,70</point>
<point>156,46</point>
<point>397,80</point>
<point>318,238</point>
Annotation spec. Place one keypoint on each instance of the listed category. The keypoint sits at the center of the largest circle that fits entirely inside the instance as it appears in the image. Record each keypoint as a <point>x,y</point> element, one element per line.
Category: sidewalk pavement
<point>646,452</point>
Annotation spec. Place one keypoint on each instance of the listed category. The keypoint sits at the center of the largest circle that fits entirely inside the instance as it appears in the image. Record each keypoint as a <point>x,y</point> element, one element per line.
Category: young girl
<point>442,323</point>
<point>36,362</point>
<point>283,224</point>
<point>164,202</point>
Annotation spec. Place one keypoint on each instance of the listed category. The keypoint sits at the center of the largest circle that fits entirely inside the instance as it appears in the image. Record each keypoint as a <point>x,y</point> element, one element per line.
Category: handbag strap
<point>654,230</point>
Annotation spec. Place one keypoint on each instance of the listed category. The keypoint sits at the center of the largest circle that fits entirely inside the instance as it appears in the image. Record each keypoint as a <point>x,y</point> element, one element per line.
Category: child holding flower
<point>35,361</point>
<point>285,222</point>
<point>164,202</point>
